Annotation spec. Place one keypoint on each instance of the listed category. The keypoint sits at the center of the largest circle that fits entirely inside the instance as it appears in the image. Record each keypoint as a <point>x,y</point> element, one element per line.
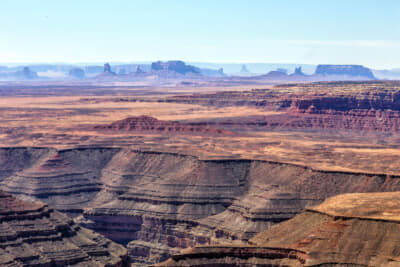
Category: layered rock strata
<point>346,230</point>
<point>67,180</point>
<point>32,234</point>
<point>314,106</point>
<point>152,125</point>
<point>157,203</point>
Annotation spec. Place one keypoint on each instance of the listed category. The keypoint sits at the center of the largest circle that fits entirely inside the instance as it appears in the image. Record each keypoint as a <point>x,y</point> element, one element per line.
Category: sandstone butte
<point>361,229</point>
<point>32,234</point>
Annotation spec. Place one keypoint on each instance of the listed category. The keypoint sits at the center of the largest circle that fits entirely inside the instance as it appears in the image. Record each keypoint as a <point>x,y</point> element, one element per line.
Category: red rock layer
<point>150,124</point>
<point>347,230</point>
<point>158,203</point>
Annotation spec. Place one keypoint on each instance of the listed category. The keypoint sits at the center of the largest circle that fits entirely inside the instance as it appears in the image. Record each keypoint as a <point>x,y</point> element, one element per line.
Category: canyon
<point>161,169</point>
<point>158,203</point>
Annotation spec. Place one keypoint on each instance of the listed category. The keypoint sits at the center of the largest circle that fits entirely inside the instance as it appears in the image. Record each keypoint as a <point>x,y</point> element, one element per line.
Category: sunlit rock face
<point>345,230</point>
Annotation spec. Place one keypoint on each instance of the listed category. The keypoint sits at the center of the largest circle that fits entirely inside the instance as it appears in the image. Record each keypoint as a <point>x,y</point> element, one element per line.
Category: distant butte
<point>149,124</point>
<point>350,70</point>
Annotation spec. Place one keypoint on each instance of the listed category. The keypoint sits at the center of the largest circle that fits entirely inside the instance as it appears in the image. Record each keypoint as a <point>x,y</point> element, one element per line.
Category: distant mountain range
<point>176,68</point>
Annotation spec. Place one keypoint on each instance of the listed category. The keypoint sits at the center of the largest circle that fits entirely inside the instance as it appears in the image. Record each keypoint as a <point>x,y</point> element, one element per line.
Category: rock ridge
<point>32,234</point>
<point>345,230</point>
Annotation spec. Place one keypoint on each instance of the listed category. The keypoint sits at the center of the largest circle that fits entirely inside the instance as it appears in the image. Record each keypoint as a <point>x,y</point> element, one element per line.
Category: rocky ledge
<point>66,180</point>
<point>32,234</point>
<point>346,230</point>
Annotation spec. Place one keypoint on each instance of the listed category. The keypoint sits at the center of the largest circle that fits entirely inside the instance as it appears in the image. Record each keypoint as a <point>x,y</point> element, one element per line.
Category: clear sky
<point>276,31</point>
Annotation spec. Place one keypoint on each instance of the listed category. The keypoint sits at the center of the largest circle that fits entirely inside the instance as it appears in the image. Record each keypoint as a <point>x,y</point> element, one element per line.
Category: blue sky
<point>337,32</point>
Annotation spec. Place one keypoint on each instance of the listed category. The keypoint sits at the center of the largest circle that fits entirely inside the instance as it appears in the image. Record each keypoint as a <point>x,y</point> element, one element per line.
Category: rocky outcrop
<point>346,230</point>
<point>77,73</point>
<point>138,70</point>
<point>345,70</point>
<point>238,256</point>
<point>20,74</point>
<point>353,229</point>
<point>107,68</point>
<point>26,74</point>
<point>32,234</point>
<point>174,66</point>
<point>298,71</point>
<point>67,179</point>
<point>366,101</point>
<point>150,124</point>
<point>244,69</point>
<point>276,75</point>
<point>212,72</point>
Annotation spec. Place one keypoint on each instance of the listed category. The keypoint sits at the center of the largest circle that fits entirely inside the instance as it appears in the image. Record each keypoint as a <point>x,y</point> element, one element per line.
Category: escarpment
<point>67,179</point>
<point>339,106</point>
<point>345,230</point>
<point>32,234</point>
<point>157,203</point>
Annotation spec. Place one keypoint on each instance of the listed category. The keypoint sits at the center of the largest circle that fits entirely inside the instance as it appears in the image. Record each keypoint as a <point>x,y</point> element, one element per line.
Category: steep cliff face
<point>17,159</point>
<point>67,179</point>
<point>32,234</point>
<point>375,112</point>
<point>315,106</point>
<point>371,101</point>
<point>158,203</point>
<point>346,230</point>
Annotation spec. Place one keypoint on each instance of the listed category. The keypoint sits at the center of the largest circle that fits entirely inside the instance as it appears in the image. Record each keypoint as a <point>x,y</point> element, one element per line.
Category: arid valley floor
<point>159,169</point>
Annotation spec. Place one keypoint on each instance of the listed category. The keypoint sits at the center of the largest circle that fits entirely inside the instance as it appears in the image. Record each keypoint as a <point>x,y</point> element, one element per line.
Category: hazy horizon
<point>284,32</point>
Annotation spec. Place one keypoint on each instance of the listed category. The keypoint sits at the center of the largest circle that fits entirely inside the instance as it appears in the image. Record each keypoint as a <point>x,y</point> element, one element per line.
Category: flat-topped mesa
<point>370,101</point>
<point>373,206</point>
<point>174,66</point>
<point>372,111</point>
<point>346,70</point>
<point>32,234</point>
<point>360,229</point>
<point>149,124</point>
